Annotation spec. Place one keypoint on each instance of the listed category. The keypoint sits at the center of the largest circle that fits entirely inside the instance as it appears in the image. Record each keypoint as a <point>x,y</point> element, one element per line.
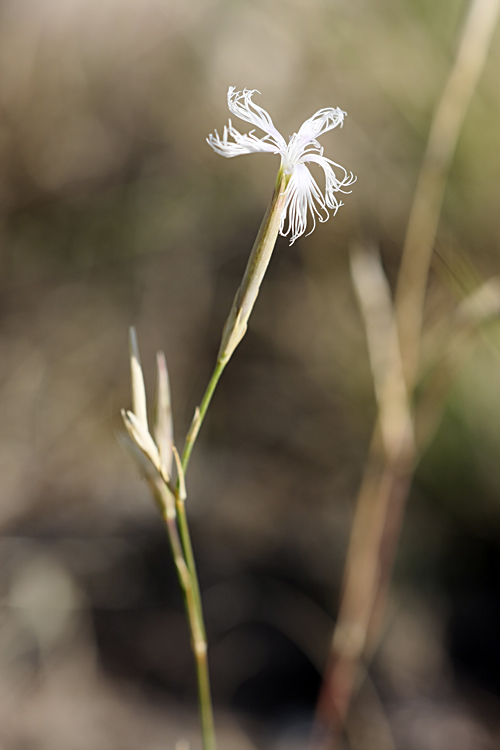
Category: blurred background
<point>114,211</point>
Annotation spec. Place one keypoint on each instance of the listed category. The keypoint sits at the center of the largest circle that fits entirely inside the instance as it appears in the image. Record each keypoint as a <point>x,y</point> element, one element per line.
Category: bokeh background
<point>114,211</point>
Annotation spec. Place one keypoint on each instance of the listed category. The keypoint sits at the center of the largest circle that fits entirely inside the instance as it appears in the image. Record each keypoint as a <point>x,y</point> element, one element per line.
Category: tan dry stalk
<point>389,469</point>
<point>450,113</point>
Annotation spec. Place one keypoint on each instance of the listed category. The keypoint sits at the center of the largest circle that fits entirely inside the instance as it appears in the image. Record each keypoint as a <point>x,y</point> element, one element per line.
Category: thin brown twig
<point>386,476</point>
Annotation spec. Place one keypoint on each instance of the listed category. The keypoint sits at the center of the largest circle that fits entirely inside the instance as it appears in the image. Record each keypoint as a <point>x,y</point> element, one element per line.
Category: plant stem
<point>182,548</point>
<point>234,330</point>
<point>173,508</point>
<point>187,548</point>
<point>236,324</point>
<point>189,585</point>
<point>205,697</point>
<point>200,413</point>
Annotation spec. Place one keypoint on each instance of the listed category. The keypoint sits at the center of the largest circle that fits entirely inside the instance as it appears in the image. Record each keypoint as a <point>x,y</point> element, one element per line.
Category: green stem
<point>234,330</point>
<point>189,585</point>
<point>236,324</point>
<point>200,413</point>
<point>182,549</point>
<point>189,557</point>
<point>205,697</point>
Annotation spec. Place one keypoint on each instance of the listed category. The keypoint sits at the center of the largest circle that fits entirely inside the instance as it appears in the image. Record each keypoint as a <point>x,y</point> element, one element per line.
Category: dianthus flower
<point>303,195</point>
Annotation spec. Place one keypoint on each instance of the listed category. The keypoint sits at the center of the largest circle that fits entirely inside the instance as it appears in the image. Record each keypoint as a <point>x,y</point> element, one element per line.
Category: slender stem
<point>233,332</point>
<point>190,589</point>
<point>182,549</point>
<point>200,413</point>
<point>170,501</point>
<point>189,557</point>
<point>206,710</point>
<point>236,324</point>
<point>368,564</point>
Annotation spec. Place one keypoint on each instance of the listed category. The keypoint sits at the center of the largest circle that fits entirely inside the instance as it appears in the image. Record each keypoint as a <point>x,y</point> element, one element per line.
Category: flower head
<point>303,195</point>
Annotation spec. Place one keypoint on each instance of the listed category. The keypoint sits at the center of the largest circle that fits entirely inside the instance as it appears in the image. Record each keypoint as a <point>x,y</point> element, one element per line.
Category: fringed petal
<point>240,104</point>
<point>305,141</point>
<point>303,196</point>
<point>242,143</point>
<point>321,122</point>
<point>332,183</point>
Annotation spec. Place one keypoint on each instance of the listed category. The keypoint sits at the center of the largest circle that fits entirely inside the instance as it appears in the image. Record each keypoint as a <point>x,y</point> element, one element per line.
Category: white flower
<point>302,192</point>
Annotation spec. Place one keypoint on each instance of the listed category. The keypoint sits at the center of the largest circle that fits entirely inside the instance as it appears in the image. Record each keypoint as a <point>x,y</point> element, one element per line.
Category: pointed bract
<point>142,438</point>
<point>138,388</point>
<point>144,464</point>
<point>180,474</point>
<point>163,426</point>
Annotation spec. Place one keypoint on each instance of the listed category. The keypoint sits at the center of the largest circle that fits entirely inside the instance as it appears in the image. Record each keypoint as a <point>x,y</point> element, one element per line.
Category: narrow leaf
<point>180,475</point>
<point>138,389</point>
<point>163,425</point>
<point>142,438</point>
<point>144,464</point>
